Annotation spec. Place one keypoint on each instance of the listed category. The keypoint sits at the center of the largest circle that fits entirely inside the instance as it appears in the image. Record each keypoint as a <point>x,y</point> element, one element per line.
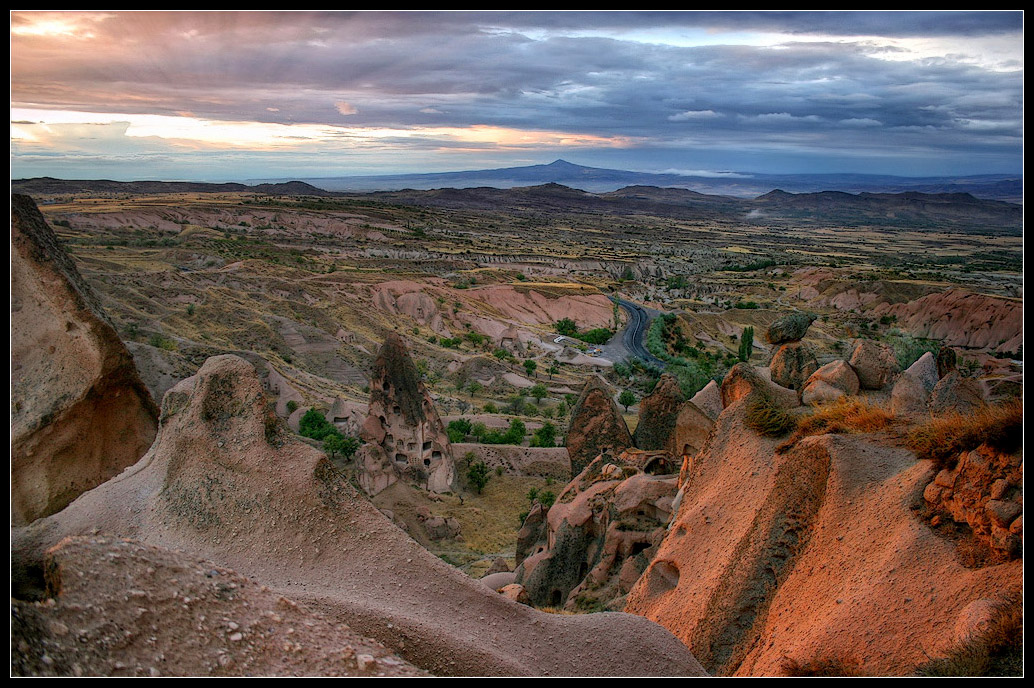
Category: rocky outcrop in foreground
<point>809,556</point>
<point>79,411</point>
<point>984,490</point>
<point>225,482</point>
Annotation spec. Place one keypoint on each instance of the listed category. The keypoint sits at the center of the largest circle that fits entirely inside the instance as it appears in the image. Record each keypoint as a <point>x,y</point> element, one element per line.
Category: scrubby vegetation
<point>767,418</point>
<point>847,414</point>
<point>944,437</point>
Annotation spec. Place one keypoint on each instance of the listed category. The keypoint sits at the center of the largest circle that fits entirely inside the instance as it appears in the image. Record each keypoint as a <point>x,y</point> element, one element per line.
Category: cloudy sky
<point>223,96</point>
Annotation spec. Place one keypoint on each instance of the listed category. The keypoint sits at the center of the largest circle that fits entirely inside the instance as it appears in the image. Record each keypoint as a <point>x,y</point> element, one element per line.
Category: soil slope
<point>225,482</point>
<point>809,555</point>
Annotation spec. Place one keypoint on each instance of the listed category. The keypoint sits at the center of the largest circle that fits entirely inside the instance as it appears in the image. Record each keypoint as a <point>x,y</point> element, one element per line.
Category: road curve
<point>635,332</point>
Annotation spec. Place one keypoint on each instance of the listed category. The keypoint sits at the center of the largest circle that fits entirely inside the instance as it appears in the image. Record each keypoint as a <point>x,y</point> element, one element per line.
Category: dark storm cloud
<point>548,71</point>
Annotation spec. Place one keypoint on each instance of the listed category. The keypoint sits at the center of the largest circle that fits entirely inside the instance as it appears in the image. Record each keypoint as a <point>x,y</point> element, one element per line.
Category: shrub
<point>546,498</point>
<point>846,414</point>
<point>477,475</point>
<point>766,418</point>
<point>544,436</point>
<point>315,426</point>
<point>599,335</point>
<point>908,349</point>
<point>566,327</point>
<point>336,443</point>
<point>292,406</point>
<point>944,437</point>
<point>458,430</point>
<point>490,407</point>
<point>161,342</point>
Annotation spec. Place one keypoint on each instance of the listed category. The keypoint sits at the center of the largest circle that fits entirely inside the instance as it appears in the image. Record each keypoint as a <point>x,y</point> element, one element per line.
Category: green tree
<point>626,399</point>
<point>474,387</point>
<point>315,426</point>
<point>477,475</point>
<point>544,436</point>
<point>553,369</point>
<point>746,343</point>
<point>337,443</point>
<point>538,392</point>
<point>530,366</point>
<point>566,327</point>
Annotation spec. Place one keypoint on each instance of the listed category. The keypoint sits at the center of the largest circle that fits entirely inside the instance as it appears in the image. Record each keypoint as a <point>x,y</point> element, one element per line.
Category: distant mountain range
<point>595,179</point>
<point>908,209</point>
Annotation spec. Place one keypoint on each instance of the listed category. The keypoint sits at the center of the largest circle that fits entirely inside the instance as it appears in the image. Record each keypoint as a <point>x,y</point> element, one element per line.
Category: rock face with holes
<point>601,534</point>
<point>770,557</point>
<point>403,434</point>
<point>79,410</point>
<point>597,426</point>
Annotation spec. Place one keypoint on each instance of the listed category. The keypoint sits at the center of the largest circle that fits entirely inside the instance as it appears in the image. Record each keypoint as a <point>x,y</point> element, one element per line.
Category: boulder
<point>956,393</point>
<point>909,396</point>
<point>742,380</point>
<point>789,328</point>
<point>838,374</point>
<point>79,411</point>
<point>874,363</point>
<point>658,413</point>
<point>709,400</point>
<point>792,364</point>
<point>596,426</point>
<point>925,371</point>
<point>818,392</point>
<point>515,592</point>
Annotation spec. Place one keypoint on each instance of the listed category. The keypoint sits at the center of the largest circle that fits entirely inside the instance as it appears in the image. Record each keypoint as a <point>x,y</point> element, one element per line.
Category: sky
<point>221,96</point>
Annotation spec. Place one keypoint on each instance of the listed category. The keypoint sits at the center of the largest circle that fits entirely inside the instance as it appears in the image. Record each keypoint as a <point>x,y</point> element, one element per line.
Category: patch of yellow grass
<point>944,437</point>
<point>489,521</point>
<point>845,415</point>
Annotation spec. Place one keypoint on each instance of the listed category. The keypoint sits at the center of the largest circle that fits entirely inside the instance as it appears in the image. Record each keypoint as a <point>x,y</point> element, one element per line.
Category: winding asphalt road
<point>634,334</point>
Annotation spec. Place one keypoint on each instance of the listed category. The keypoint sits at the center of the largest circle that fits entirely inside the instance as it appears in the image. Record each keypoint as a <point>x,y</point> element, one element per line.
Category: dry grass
<point>944,437</point>
<point>489,520</point>
<point>767,418</point>
<point>998,651</point>
<point>845,415</point>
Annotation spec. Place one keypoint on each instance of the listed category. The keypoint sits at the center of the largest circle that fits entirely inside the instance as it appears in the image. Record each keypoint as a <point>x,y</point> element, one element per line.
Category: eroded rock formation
<point>601,534</point>
<point>985,491</point>
<point>79,410</point>
<point>225,482</point>
<point>597,426</point>
<point>404,437</point>
<point>658,413</point>
<point>808,555</point>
